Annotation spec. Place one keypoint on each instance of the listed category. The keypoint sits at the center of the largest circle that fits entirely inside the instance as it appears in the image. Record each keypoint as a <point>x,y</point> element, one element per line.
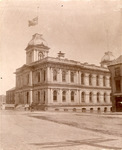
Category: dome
<point>37,40</point>
<point>107,57</point>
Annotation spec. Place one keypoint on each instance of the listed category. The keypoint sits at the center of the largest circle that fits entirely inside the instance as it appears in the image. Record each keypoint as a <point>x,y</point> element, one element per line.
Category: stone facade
<point>59,83</point>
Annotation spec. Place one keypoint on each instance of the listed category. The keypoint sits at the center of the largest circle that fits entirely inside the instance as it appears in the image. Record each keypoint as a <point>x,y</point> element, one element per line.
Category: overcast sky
<point>83,29</point>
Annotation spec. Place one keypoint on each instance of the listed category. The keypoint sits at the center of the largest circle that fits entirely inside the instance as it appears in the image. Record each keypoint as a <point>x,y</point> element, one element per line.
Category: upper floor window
<point>103,80</point>
<point>38,96</point>
<point>90,79</point>
<point>54,75</point>
<point>118,85</point>
<point>117,71</point>
<point>64,96</point>
<point>83,96</point>
<point>82,78</point>
<point>72,77</point>
<point>97,80</point>
<point>105,97</point>
<point>63,76</point>
<point>90,96</point>
<point>38,76</point>
<point>44,75</point>
<point>55,95</point>
<point>72,96</point>
<point>27,78</point>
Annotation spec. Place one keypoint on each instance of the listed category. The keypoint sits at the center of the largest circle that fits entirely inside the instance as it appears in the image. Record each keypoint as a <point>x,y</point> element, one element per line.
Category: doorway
<point>118,104</point>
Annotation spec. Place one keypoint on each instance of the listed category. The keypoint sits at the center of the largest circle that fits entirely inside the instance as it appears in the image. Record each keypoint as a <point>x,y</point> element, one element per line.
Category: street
<point>24,130</point>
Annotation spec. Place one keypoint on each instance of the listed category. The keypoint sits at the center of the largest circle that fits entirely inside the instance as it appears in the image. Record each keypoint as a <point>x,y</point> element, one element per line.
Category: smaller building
<point>10,96</point>
<point>115,68</point>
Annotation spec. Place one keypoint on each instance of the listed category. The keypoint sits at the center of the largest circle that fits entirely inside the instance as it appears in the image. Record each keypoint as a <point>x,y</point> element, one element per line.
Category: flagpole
<point>38,19</point>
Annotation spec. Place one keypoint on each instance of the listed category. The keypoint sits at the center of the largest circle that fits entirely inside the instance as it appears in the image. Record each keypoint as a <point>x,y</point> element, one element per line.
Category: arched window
<point>97,80</point>
<point>55,95</point>
<point>104,81</point>
<point>83,96</point>
<point>90,79</point>
<point>110,81</point>
<point>44,75</point>
<point>54,75</point>
<point>63,76</point>
<point>72,96</point>
<point>82,78</point>
<point>72,77</point>
<point>38,76</point>
<point>98,97</point>
<point>105,97</point>
<point>90,96</point>
<point>64,96</point>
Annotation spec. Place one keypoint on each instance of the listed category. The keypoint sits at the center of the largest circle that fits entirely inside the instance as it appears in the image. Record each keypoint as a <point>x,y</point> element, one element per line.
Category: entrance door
<point>118,104</point>
<point>27,97</point>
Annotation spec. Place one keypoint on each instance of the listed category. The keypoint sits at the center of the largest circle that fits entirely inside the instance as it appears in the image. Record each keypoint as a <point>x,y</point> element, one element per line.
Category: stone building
<point>10,96</point>
<point>115,68</point>
<point>59,83</point>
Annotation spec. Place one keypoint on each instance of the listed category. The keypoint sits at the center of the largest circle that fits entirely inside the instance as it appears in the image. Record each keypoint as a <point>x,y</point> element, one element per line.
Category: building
<point>2,101</point>
<point>59,83</point>
<point>115,68</point>
<point>10,96</point>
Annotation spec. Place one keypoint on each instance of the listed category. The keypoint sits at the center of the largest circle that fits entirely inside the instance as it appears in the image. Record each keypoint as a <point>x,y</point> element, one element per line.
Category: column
<point>107,81</point>
<point>76,77</point>
<point>68,76</point>
<point>51,74</point>
<point>108,98</point>
<point>77,97</point>
<point>79,78</point>
<point>69,98</point>
<point>60,96</point>
<point>101,80</point>
<point>94,97</point>
<point>101,98</point>
<point>60,75</point>
<point>48,96</point>
<point>94,79</point>
<point>30,78</point>
<point>48,74</point>
<point>86,79</point>
<point>79,91</point>
<point>86,97</point>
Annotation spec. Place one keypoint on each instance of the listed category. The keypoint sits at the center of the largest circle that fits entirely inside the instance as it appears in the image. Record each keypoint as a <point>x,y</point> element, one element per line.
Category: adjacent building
<point>10,96</point>
<point>62,84</point>
<point>115,68</point>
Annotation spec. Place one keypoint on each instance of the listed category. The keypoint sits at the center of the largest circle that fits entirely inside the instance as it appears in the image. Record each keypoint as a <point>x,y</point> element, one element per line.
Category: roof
<point>117,61</point>
<point>12,89</point>
<point>108,57</point>
<point>37,40</point>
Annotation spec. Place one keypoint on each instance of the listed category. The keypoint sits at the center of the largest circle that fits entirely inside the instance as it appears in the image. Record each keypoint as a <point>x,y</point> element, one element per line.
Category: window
<point>117,71</point>
<point>38,97</point>
<point>54,75</point>
<point>72,96</point>
<point>64,96</point>
<point>63,76</point>
<point>83,96</point>
<point>118,85</point>
<point>44,97</point>
<point>97,80</point>
<point>38,76</point>
<point>104,81</point>
<point>27,78</point>
<point>90,96</point>
<point>105,97</point>
<point>98,97</point>
<point>55,95</point>
<point>90,79</point>
<point>82,78</point>
<point>72,76</point>
<point>44,75</point>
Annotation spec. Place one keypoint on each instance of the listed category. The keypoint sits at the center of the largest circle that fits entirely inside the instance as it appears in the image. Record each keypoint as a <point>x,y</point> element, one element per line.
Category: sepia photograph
<point>60,74</point>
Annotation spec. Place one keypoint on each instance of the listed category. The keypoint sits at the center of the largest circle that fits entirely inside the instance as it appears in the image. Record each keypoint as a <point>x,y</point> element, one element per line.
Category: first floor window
<point>55,95</point>
<point>83,96</point>
<point>72,96</point>
<point>64,96</point>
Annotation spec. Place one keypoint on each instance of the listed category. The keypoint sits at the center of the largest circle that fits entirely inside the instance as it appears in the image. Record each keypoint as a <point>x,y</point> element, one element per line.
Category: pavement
<point>24,130</point>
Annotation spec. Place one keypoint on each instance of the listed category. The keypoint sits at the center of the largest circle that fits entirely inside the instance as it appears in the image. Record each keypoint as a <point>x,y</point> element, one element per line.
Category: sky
<point>82,29</point>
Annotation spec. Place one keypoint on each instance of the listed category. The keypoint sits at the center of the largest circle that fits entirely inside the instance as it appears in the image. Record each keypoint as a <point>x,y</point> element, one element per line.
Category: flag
<point>33,22</point>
